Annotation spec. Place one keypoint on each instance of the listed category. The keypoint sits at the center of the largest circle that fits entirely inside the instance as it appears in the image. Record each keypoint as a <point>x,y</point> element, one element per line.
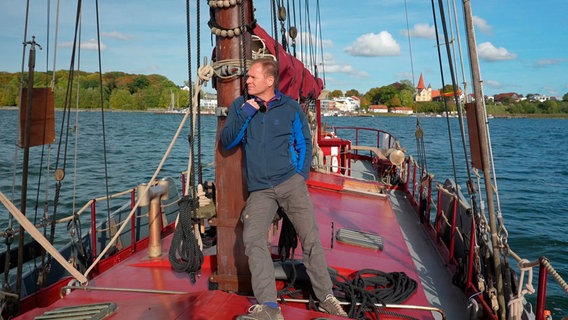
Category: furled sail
<point>295,80</point>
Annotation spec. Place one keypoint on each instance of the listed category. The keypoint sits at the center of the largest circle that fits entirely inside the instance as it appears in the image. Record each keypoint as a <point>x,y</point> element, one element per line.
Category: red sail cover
<point>295,80</point>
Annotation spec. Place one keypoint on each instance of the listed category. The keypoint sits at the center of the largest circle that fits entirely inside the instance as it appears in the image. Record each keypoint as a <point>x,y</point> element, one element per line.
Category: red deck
<point>348,210</point>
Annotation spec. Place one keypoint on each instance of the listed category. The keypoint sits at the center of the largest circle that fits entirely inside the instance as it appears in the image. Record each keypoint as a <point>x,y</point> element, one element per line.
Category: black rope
<point>370,287</point>
<point>367,287</point>
<point>438,46</point>
<point>103,123</point>
<point>185,254</point>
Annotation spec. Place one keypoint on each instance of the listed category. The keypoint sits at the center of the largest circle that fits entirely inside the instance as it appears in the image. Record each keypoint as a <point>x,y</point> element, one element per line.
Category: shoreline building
<point>424,94</point>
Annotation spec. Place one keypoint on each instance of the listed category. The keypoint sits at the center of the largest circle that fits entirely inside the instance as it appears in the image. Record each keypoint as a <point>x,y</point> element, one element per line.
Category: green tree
<point>384,95</point>
<point>335,94</point>
<point>370,95</point>
<point>406,97</point>
<point>548,106</point>
<point>139,83</point>
<point>90,81</point>
<point>122,99</point>
<point>529,108</point>
<point>406,85</point>
<point>449,90</point>
<point>9,89</point>
<point>395,102</point>
<point>352,93</point>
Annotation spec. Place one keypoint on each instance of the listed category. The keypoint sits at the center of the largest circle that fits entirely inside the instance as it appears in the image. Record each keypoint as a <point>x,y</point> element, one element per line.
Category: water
<point>530,160</point>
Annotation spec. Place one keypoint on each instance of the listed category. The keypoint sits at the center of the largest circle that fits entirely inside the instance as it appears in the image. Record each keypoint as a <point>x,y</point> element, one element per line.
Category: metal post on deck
<point>154,225</point>
<point>152,198</point>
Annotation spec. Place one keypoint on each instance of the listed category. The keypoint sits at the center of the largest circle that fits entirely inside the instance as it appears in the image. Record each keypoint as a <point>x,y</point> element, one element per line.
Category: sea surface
<point>531,165</point>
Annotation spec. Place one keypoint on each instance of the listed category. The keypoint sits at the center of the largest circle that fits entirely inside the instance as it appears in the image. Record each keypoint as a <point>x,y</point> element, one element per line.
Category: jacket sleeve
<point>303,143</point>
<point>233,132</point>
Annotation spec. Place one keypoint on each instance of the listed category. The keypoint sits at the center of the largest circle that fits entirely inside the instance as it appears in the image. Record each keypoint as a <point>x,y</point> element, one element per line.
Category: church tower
<point>423,94</point>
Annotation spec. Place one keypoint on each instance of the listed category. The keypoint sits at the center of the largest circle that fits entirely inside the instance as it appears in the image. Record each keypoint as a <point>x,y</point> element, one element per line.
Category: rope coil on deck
<point>185,254</point>
<point>370,287</point>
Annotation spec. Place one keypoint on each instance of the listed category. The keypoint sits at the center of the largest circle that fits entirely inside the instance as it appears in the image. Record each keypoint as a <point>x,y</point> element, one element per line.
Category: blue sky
<point>523,45</point>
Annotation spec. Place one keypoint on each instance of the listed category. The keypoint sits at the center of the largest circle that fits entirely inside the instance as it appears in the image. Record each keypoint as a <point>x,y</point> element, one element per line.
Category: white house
<point>375,108</point>
<point>402,110</point>
<point>347,104</point>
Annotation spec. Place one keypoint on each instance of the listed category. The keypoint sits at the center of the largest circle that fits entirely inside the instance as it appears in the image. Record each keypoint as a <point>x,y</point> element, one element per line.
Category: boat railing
<point>101,232</point>
<point>363,136</point>
<point>362,174</point>
<point>140,222</point>
<point>456,245</point>
<point>341,148</point>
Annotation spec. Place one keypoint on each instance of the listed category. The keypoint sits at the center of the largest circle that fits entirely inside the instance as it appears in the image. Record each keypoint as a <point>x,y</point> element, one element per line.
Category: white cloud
<point>333,66</point>
<point>551,91</point>
<point>374,45</point>
<point>346,69</point>
<point>117,35</point>
<point>310,39</point>
<point>90,45</point>
<point>492,83</point>
<point>421,30</point>
<point>548,62</point>
<point>482,25</point>
<point>488,52</point>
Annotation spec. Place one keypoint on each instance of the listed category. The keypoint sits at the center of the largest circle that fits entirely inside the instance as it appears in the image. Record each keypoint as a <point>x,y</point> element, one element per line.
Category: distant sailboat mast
<point>172,101</point>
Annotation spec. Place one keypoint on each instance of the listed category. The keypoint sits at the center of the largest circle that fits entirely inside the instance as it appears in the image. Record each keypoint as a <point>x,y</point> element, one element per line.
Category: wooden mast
<point>26,147</point>
<point>233,273</point>
<point>484,152</point>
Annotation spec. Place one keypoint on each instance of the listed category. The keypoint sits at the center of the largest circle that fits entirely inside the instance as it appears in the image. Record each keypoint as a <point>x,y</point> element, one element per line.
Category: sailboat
<point>396,247</point>
<point>171,106</point>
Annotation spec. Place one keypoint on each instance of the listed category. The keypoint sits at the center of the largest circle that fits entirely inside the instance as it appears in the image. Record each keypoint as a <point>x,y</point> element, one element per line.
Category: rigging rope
<point>153,178</point>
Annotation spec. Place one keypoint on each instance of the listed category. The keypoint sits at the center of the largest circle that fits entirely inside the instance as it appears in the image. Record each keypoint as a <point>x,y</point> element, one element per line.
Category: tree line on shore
<point>136,92</point>
<point>401,94</point>
<point>119,90</point>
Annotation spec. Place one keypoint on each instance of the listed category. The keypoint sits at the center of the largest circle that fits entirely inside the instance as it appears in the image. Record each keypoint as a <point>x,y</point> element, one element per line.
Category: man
<point>277,145</point>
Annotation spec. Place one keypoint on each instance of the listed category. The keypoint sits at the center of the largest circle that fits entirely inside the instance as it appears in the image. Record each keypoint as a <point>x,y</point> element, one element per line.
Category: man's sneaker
<point>332,306</point>
<point>262,312</point>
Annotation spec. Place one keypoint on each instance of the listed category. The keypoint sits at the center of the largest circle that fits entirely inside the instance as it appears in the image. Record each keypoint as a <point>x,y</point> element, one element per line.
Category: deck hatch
<point>96,311</point>
<point>359,238</point>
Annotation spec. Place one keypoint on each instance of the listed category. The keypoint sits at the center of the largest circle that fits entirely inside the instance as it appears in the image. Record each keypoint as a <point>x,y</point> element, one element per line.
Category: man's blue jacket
<point>277,143</point>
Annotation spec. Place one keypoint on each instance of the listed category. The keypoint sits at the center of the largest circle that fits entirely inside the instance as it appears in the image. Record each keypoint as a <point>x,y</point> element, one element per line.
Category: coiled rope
<point>367,288</point>
<point>185,254</point>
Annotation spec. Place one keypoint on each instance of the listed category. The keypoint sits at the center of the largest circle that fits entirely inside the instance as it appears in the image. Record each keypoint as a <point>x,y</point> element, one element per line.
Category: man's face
<point>258,82</point>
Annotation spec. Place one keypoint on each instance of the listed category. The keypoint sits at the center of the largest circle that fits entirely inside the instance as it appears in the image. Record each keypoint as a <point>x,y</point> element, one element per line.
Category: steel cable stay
<point>491,236</point>
<point>496,295</point>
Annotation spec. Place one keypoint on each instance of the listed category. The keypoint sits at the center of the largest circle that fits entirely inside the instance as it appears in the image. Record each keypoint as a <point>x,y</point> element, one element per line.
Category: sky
<point>522,45</point>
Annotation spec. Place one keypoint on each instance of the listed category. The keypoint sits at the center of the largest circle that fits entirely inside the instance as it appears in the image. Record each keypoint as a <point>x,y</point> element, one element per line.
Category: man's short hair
<point>269,65</point>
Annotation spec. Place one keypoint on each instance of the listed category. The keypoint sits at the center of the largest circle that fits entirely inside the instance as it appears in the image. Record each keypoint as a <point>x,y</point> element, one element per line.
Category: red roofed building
<point>375,108</point>
<point>424,94</point>
<point>402,110</point>
<point>509,96</point>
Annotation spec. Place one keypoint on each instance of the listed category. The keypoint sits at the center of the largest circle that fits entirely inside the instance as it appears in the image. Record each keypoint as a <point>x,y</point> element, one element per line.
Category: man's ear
<point>271,81</point>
